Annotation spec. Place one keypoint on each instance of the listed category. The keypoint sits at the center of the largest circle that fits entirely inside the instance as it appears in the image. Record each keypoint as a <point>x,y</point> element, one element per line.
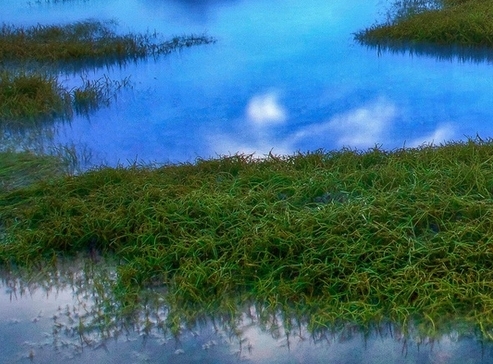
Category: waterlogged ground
<point>70,315</point>
<point>291,81</point>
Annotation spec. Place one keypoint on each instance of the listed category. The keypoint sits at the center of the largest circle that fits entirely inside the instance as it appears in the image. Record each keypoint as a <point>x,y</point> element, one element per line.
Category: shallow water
<point>284,76</point>
<point>70,315</point>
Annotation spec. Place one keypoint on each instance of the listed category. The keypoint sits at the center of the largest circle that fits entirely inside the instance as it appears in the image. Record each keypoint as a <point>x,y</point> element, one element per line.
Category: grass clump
<point>93,94</point>
<point>84,41</point>
<point>447,22</point>
<point>34,94</point>
<point>339,235</point>
<point>31,96</point>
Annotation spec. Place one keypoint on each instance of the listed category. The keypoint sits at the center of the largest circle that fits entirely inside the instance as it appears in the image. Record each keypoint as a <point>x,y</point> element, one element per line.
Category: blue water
<point>284,76</point>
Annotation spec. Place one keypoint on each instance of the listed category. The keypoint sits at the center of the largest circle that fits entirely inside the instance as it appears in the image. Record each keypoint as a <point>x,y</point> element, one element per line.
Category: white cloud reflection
<point>259,131</point>
<point>365,126</point>
<point>360,128</point>
<point>265,109</point>
<point>441,134</point>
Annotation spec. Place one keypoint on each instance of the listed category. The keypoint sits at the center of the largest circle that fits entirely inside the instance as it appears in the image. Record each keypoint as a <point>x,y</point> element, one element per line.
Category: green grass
<point>28,97</point>
<point>455,22</point>
<point>84,41</point>
<point>345,234</point>
<point>21,169</point>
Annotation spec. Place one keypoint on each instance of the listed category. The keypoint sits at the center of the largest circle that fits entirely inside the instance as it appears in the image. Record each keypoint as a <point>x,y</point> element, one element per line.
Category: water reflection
<point>265,109</point>
<point>292,82</point>
<point>74,313</point>
<point>451,53</point>
<point>366,126</point>
<point>362,127</point>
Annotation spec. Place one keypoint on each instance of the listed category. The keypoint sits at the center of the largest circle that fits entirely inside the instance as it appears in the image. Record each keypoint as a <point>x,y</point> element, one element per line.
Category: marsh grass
<point>29,157</point>
<point>29,93</point>
<point>343,235</point>
<point>33,98</point>
<point>22,169</point>
<point>29,97</point>
<point>449,22</point>
<point>85,41</point>
<point>93,94</point>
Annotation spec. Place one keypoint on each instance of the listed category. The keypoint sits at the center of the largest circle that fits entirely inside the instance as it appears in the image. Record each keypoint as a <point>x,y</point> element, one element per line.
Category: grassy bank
<point>449,22</point>
<point>347,234</point>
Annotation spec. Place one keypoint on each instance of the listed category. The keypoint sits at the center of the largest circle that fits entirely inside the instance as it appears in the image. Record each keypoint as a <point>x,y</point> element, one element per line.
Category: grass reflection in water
<point>95,322</point>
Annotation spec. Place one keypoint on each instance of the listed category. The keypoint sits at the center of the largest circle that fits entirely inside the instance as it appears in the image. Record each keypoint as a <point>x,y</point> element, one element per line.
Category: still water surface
<point>284,76</point>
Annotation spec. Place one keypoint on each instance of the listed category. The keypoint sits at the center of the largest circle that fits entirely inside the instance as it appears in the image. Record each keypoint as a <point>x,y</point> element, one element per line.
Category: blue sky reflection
<point>284,76</point>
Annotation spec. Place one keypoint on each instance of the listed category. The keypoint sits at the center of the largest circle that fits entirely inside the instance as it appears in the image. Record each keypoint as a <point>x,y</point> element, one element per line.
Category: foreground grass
<point>449,22</point>
<point>345,234</point>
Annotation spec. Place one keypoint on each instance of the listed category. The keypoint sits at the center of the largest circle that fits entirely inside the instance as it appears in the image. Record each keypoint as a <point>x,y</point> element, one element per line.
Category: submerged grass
<point>345,234</point>
<point>21,169</point>
<point>450,22</point>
